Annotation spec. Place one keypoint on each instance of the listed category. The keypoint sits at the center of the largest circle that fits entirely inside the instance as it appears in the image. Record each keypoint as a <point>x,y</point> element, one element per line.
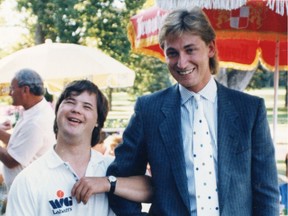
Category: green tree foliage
<point>55,19</point>
<point>97,23</point>
<point>151,75</point>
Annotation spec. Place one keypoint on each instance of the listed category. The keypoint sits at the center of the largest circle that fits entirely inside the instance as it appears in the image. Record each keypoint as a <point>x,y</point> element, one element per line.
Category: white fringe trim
<point>281,5</point>
<point>278,6</point>
<point>208,4</point>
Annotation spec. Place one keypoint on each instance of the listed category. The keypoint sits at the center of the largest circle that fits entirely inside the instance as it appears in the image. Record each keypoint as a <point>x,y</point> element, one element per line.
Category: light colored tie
<point>204,171</point>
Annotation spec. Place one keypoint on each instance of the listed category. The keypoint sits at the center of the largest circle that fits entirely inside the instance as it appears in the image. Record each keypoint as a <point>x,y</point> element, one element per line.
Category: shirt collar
<point>185,94</point>
<point>53,159</point>
<point>209,92</point>
<point>36,108</point>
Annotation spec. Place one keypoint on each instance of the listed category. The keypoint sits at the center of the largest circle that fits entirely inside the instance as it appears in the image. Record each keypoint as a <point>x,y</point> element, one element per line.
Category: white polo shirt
<point>32,136</point>
<point>44,188</point>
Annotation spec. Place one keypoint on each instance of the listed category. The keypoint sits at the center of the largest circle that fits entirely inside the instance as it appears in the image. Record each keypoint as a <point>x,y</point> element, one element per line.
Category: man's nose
<point>182,62</point>
<point>77,108</point>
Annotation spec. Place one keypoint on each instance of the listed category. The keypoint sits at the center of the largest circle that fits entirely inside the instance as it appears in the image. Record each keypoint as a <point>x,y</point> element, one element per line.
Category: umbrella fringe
<point>278,6</point>
<point>208,4</point>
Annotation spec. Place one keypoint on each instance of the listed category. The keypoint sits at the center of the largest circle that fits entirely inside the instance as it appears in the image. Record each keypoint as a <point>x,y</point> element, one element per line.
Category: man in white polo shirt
<point>70,179</point>
<point>33,133</point>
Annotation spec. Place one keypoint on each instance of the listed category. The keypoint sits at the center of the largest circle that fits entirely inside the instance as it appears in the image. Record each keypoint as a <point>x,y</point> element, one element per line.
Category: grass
<point>121,110</point>
<point>281,147</point>
<point>268,95</point>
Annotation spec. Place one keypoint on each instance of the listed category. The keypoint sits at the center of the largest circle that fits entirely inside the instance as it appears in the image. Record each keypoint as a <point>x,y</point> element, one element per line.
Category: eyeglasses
<point>11,89</point>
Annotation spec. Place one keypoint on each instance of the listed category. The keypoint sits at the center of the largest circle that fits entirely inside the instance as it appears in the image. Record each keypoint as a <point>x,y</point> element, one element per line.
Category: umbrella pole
<point>276,85</point>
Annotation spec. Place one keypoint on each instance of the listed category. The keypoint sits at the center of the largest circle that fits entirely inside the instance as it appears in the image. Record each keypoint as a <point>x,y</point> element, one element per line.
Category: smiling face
<point>187,58</point>
<point>77,115</point>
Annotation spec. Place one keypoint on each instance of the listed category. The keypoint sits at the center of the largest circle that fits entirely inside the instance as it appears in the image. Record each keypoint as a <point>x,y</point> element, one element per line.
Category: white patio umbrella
<point>59,63</point>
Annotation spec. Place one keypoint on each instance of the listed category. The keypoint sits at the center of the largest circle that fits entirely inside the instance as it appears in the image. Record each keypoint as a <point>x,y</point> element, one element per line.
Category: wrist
<point>112,180</point>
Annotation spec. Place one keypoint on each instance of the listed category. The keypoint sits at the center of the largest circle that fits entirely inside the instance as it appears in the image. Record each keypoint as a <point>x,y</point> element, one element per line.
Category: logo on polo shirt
<point>61,204</point>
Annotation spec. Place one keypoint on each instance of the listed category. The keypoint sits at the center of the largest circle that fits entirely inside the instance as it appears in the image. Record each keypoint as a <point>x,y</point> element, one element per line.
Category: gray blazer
<point>246,163</point>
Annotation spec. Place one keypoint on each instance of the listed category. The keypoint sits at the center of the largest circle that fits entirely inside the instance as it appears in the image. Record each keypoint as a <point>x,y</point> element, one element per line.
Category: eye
<point>171,54</point>
<point>69,101</point>
<point>88,107</point>
<point>190,50</point>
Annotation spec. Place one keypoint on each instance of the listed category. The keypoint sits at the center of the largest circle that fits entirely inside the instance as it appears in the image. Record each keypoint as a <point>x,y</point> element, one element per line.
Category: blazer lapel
<point>170,130</point>
<point>228,139</point>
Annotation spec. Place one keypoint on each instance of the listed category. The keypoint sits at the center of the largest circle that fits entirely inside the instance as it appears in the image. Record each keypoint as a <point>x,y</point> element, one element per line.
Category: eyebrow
<point>89,104</point>
<point>189,46</point>
<point>185,47</point>
<point>85,103</point>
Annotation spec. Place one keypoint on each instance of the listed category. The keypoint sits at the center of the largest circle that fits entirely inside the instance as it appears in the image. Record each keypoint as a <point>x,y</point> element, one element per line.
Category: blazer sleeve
<point>130,160</point>
<point>264,172</point>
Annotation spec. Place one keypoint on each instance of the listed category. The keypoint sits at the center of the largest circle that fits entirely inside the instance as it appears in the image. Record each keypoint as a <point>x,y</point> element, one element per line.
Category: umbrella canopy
<point>59,63</point>
<point>278,5</point>
<point>244,36</point>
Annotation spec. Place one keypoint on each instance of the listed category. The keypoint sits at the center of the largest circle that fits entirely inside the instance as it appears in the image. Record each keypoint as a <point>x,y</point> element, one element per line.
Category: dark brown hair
<point>77,87</point>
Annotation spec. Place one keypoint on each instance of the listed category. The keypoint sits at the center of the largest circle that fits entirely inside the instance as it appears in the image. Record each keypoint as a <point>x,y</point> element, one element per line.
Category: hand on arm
<point>135,188</point>
<point>87,186</point>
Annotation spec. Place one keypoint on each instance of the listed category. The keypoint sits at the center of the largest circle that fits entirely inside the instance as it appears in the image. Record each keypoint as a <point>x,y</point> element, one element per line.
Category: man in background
<point>33,133</point>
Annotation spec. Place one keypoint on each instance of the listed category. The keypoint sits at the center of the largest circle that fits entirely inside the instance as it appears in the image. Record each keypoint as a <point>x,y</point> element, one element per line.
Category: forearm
<point>134,188</point>
<point>6,159</point>
<point>4,136</point>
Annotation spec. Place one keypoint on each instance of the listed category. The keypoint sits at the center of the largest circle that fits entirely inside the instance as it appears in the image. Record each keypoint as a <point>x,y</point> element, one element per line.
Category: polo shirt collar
<point>53,159</point>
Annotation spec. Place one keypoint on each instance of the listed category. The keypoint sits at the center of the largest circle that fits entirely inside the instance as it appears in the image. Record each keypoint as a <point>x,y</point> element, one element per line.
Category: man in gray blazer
<point>160,131</point>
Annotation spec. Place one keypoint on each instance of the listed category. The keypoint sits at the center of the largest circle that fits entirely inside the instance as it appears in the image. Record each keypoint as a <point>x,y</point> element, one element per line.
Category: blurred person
<point>33,132</point>
<point>100,146</point>
<point>111,142</point>
<point>71,178</point>
<point>161,132</point>
<point>108,143</point>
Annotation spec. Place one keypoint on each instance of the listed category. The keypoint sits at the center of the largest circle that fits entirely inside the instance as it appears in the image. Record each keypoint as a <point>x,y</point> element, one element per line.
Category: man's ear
<point>212,48</point>
<point>26,89</point>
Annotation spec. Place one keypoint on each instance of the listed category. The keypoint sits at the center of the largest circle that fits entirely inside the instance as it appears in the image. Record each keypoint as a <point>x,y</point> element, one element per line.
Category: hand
<point>88,186</point>
<point>6,125</point>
